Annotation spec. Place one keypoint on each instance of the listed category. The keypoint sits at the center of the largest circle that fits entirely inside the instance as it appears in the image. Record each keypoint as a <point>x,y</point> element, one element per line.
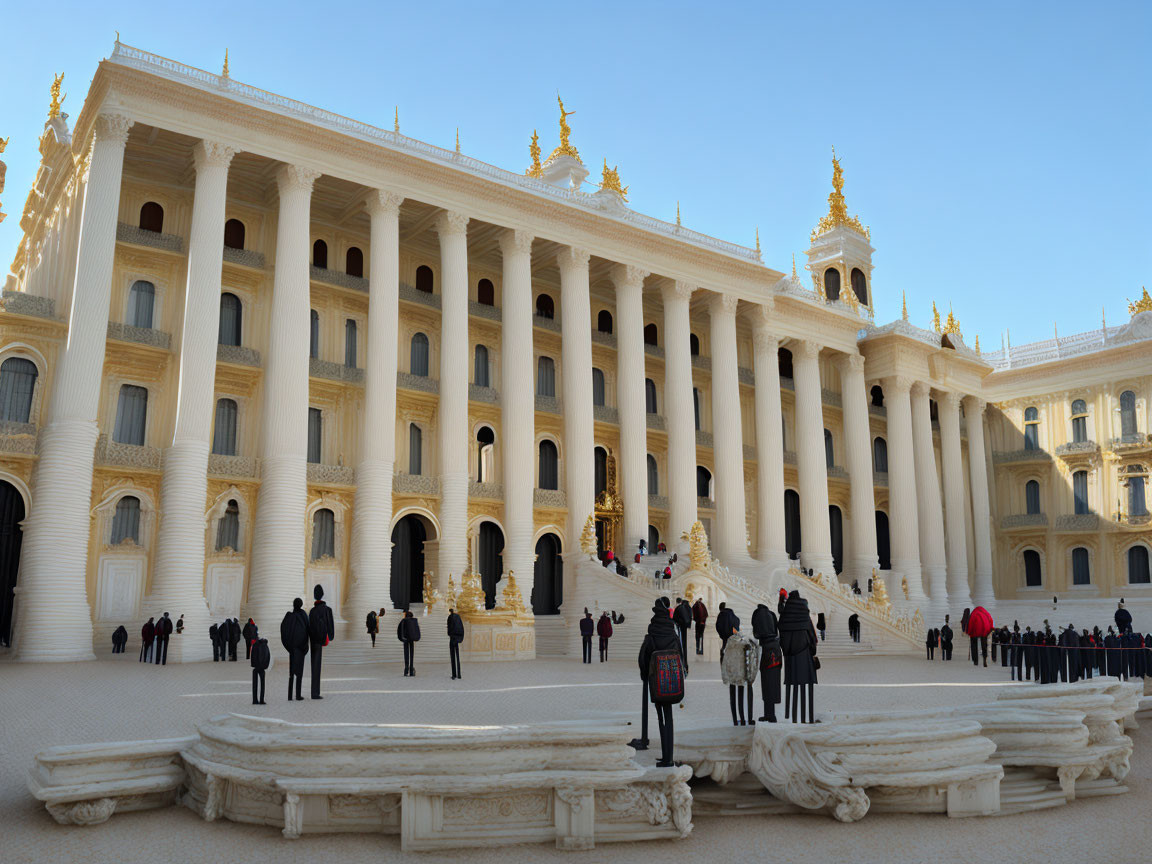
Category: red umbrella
<point>980,622</point>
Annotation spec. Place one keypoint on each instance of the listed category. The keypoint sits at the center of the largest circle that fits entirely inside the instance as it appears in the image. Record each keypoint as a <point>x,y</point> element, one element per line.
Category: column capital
<point>212,154</point>
<point>628,276</point>
<point>572,257</point>
<point>452,222</point>
<point>293,178</point>
<point>806,348</point>
<point>677,291</point>
<point>764,341</point>
<point>723,304</point>
<point>112,128</point>
<point>516,242</point>
<point>851,363</point>
<point>898,383</point>
<point>381,202</point>
<point>921,389</point>
<point>974,405</point>
<point>950,399</point>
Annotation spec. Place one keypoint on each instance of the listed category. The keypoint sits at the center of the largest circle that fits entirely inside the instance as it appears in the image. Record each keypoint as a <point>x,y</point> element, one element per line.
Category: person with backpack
<point>163,634</point>
<point>321,631</point>
<point>455,637</point>
<point>119,639</point>
<point>662,672</point>
<point>294,638</point>
<point>604,631</point>
<point>587,628</point>
<point>261,658</point>
<point>700,616</point>
<point>372,625</point>
<point>408,632</point>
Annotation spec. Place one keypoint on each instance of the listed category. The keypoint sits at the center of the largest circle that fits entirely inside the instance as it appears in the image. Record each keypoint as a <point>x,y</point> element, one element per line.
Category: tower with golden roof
<point>840,254</point>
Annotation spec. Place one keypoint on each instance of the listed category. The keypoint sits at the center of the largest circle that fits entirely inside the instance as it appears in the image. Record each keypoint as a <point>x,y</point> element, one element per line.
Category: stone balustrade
<point>483,310</point>
<point>549,498</point>
<point>137,236</point>
<point>318,368</point>
<point>549,404</point>
<point>606,339</point>
<point>139,335</point>
<point>605,414</point>
<point>22,303</point>
<point>237,354</point>
<point>486,490</point>
<point>331,475</point>
<point>335,277</point>
<point>109,452</point>
<point>1023,520</point>
<point>409,294</point>
<point>17,437</point>
<point>476,393</point>
<point>1078,522</point>
<point>1001,457</point>
<point>415,484</point>
<point>422,383</point>
<point>655,421</point>
<point>233,466</point>
<point>244,258</point>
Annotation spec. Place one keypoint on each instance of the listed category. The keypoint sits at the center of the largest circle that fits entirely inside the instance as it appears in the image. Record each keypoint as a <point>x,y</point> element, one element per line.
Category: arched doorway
<point>11,535</point>
<point>490,559</point>
<point>548,588</point>
<point>792,523</point>
<point>836,528</point>
<point>883,542</point>
<point>408,561</point>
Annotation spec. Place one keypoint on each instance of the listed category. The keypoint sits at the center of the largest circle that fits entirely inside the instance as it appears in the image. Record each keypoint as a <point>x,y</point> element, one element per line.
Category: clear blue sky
<point>999,151</point>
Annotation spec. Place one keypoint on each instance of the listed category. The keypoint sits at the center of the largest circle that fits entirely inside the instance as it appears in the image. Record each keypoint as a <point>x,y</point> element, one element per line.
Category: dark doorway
<point>408,561</point>
<point>491,560</point>
<point>792,523</point>
<point>548,587</point>
<point>836,528</point>
<point>11,535</point>
<point>883,543</point>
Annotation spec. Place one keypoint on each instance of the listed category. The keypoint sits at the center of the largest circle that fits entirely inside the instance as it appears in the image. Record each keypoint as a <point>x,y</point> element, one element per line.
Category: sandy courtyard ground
<point>119,699</point>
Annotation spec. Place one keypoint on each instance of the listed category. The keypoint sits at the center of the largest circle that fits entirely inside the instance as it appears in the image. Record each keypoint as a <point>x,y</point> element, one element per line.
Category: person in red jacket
<point>604,631</point>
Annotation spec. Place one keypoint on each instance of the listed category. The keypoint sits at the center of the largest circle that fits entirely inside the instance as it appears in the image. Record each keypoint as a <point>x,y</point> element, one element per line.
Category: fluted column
<point>858,454</point>
<point>372,523</point>
<point>730,532</point>
<point>678,413</point>
<point>930,516</point>
<point>278,543</point>
<point>954,531</point>
<point>54,563</point>
<point>178,581</point>
<point>811,460</point>
<point>576,373</point>
<point>453,437</point>
<point>770,543</point>
<point>978,484</point>
<point>518,410</point>
<point>903,518</point>
<point>633,461</point>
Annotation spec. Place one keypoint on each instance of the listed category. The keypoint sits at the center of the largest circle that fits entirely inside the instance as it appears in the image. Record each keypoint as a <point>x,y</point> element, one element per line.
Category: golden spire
<point>904,302</point>
<point>1103,319</point>
<point>757,241</point>
<point>610,180</point>
<point>795,278</point>
<point>1143,304</point>
<point>565,148</point>
<point>534,170</point>
<point>977,343</point>
<point>396,121</point>
<point>4,143</point>
<point>677,214</point>
<point>457,139</point>
<point>224,74</point>
<point>951,325</point>
<point>837,211</point>
<point>54,108</point>
<point>935,317</point>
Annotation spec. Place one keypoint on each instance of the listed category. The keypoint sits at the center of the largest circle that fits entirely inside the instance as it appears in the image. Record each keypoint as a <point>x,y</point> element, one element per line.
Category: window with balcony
<point>152,217</point>
<point>126,521</point>
<point>354,261</point>
<point>480,366</point>
<point>546,377</point>
<point>415,450</point>
<point>320,254</point>
<point>418,355</point>
<point>1079,421</point>
<point>315,431</point>
<point>1033,576</point>
<point>323,534</point>
<point>549,466</point>
<point>597,387</point>
<point>141,301</point>
<point>224,430</point>
<point>650,398</point>
<point>1080,492</point>
<point>1031,429</point>
<point>17,385</point>
<point>1127,413</point>
<point>1032,497</point>
<point>228,528</point>
<point>231,319</point>
<point>131,415</point>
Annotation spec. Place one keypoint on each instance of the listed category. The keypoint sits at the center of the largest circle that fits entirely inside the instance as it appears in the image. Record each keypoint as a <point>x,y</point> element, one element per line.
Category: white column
<point>576,373</point>
<point>452,431</point>
<point>811,460</point>
<point>633,460</point>
<point>955,533</point>
<point>930,515</point>
<point>372,522</point>
<point>903,519</point>
<point>518,411</point>
<point>678,413</point>
<point>54,620</point>
<point>858,452</point>
<point>278,542</point>
<point>978,483</point>
<point>770,544</point>
<point>178,581</point>
<point>730,531</point>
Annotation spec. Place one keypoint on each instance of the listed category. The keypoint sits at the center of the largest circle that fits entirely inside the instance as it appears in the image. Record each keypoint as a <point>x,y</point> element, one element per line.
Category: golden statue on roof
<point>951,325</point>
<point>610,180</point>
<point>54,108</point>
<point>935,317</point>
<point>1143,304</point>
<point>534,170</point>
<point>837,215</point>
<point>565,148</point>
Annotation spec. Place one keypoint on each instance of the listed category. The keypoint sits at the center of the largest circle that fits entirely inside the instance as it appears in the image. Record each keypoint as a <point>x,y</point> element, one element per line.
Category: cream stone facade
<point>287,348</point>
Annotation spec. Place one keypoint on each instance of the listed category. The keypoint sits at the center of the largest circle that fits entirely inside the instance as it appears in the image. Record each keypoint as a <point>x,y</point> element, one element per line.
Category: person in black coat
<point>1028,650</point>
<point>214,635</point>
<point>250,634</point>
<point>587,628</point>
<point>163,634</point>
<point>661,637</point>
<point>798,644</point>
<point>766,631</point>
<point>682,618</point>
<point>261,658</point>
<point>726,624</point>
<point>147,637</point>
<point>294,638</point>
<point>455,637</point>
<point>1113,660</point>
<point>964,621</point>
<point>946,636</point>
<point>372,625</point>
<point>700,616</point>
<point>321,631</point>
<point>233,638</point>
<point>604,631</point>
<point>930,642</point>
<point>408,632</point>
<point>820,625</point>
<point>119,639</point>
<point>1017,652</point>
<point>854,627</point>
<point>1123,618</point>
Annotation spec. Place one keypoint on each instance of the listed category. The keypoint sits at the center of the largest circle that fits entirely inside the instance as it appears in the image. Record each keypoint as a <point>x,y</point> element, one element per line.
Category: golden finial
<point>117,35</point>
<point>224,74</point>
<point>565,148</point>
<point>457,139</point>
<point>1055,331</point>
<point>54,108</point>
<point>757,241</point>
<point>935,317</point>
<point>534,170</point>
<point>951,325</point>
<point>977,343</point>
<point>396,120</point>
<point>837,211</point>
<point>4,143</point>
<point>677,214</point>
<point>1144,304</point>
<point>904,309</point>
<point>795,278</point>
<point>1103,319</point>
<point>610,180</point>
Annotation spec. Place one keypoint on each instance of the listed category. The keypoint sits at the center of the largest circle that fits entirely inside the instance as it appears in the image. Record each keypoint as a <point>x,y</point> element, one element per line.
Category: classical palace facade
<point>249,346</point>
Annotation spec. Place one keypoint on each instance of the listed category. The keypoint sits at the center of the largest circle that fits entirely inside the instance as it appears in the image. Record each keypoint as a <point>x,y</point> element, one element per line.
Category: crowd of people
<point>154,636</point>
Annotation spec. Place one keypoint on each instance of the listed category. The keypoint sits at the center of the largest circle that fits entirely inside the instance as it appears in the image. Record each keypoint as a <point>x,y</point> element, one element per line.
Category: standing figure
<point>798,644</point>
<point>261,658</point>
<point>604,631</point>
<point>930,642</point>
<point>214,635</point>
<point>1070,655</point>
<point>979,625</point>
<point>767,632</point>
<point>946,640</point>
<point>372,624</point>
<point>820,625</point>
<point>147,635</point>
<point>119,639</point>
<point>682,618</point>
<point>408,632</point>
<point>854,627</point>
<point>1113,660</point>
<point>964,620</point>
<point>455,637</point>
<point>294,638</point>
<point>738,670</point>
<point>250,634</point>
<point>662,672</point>
<point>321,631</point>
<point>587,628</point>
<point>233,638</point>
<point>700,616</point>
<point>726,624</point>
<point>1123,618</point>
<point>163,634</point>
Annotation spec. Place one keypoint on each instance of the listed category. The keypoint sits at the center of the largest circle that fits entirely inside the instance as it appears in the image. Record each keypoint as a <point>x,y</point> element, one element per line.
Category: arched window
<point>832,283</point>
<point>653,476</point>
<point>314,335</point>
<point>323,534</point>
<point>829,452</point>
<point>350,343</point>
<point>486,440</point>
<point>600,470</point>
<point>1138,566</point>
<point>1080,491</point>
<point>224,430</point>
<point>860,285</point>
<point>1033,577</point>
<point>604,321</point>
<point>693,344</point>
<point>1137,503</point>
<point>545,306</point>
<point>354,261</point>
<point>785,357</point>
<point>141,300</point>
<point>234,234</point>
<point>549,466</point>
<point>880,455</point>
<point>17,385</point>
<point>1080,567</point>
<point>418,359</point>
<point>696,407</point>
<point>320,254</point>
<point>231,319</point>
<point>152,217</point>
<point>1127,413</point>
<point>598,387</point>
<point>424,279</point>
<point>480,367</point>
<point>703,482</point>
<point>485,293</point>
<point>653,538</point>
<point>545,376</point>
<point>1031,429</point>
<point>131,415</point>
<point>126,521</point>
<point>1079,421</point>
<point>877,394</point>
<point>650,334</point>
<point>228,529</point>
<point>415,449</point>
<point>315,433</point>
<point>650,396</point>
<point>1032,497</point>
